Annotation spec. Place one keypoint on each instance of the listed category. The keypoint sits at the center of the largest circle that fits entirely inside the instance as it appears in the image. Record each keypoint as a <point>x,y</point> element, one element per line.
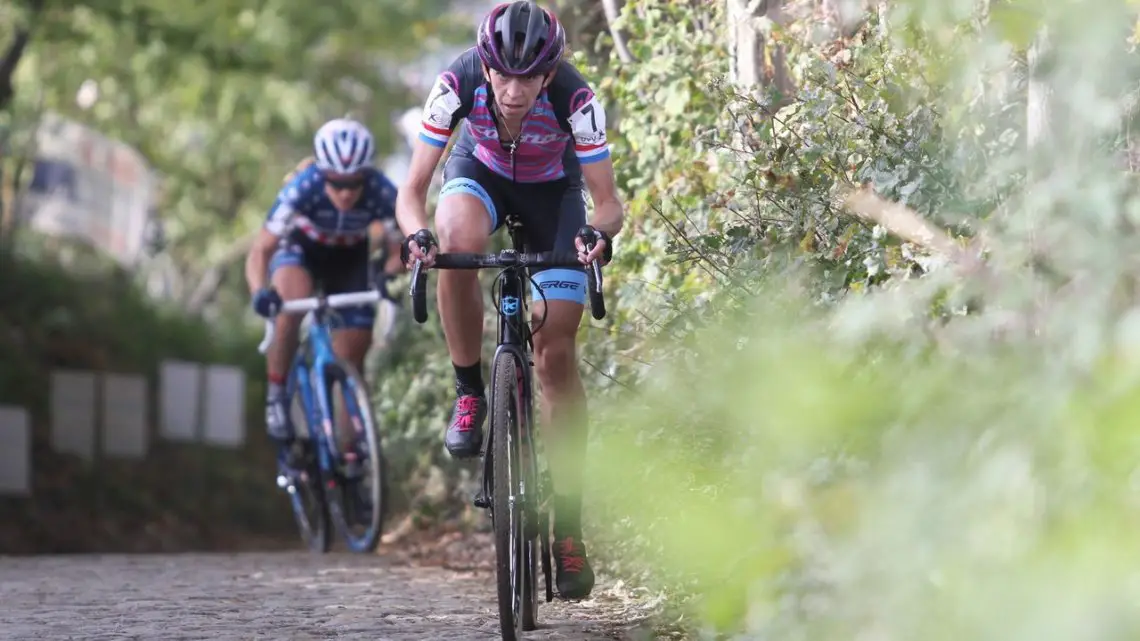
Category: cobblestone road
<point>288,595</point>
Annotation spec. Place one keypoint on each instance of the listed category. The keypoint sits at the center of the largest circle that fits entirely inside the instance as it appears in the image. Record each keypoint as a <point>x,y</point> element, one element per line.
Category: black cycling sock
<point>567,515</point>
<point>469,378</point>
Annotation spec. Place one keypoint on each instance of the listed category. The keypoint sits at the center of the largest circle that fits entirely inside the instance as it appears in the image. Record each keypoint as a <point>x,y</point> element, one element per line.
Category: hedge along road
<point>280,595</point>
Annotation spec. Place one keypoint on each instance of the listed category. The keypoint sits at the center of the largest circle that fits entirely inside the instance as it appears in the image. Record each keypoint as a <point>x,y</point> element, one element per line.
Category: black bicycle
<point>516,485</point>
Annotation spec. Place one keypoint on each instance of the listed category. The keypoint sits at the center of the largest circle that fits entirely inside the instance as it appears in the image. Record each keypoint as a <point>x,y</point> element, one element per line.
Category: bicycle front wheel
<point>516,556</point>
<point>306,493</point>
<point>359,502</point>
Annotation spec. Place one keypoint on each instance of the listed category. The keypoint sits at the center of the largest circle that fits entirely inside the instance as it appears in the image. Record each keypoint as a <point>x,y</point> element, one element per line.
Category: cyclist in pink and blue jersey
<point>531,140</point>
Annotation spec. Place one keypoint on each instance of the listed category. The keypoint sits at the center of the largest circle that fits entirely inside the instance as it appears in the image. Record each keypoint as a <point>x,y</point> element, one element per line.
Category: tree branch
<point>211,280</point>
<point>612,12</point>
<point>15,53</point>
<point>905,223</point>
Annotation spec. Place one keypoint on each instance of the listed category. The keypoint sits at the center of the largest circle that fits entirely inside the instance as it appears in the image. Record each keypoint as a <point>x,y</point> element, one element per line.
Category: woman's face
<point>515,95</point>
<point>343,189</point>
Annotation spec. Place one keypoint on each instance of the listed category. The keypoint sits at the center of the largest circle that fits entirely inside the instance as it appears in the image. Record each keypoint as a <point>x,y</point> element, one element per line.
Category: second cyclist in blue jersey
<point>531,140</point>
<point>318,233</point>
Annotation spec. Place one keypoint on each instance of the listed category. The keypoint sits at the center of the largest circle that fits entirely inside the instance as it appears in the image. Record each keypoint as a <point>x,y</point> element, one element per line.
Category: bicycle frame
<point>514,340</point>
<point>318,349</point>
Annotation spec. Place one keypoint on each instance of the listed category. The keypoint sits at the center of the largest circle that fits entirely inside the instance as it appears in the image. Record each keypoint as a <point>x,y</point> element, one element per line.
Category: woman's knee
<point>292,281</point>
<point>554,358</point>
<point>462,223</point>
<point>352,343</point>
<point>555,344</point>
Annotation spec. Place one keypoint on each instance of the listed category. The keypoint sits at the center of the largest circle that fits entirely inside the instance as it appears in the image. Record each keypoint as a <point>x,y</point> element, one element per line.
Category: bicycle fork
<point>315,404</point>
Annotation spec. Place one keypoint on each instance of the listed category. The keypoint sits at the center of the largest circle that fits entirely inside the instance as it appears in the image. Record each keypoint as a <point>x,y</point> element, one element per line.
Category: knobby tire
<point>316,536</point>
<point>515,584</point>
<point>343,375</point>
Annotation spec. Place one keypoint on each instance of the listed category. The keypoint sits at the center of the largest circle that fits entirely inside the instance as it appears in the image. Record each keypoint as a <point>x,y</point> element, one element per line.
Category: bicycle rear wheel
<point>306,492</point>
<point>359,501</point>
<point>515,551</point>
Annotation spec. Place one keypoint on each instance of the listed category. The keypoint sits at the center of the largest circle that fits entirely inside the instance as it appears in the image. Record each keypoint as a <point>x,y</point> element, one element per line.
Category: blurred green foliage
<point>873,443</point>
<point>221,97</point>
<point>805,491</point>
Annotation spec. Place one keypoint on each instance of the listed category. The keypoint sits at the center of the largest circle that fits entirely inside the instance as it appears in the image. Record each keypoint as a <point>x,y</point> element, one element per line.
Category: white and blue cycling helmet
<point>343,146</point>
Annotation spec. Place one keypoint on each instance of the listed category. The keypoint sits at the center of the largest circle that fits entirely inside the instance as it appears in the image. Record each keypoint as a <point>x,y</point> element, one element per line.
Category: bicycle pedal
<point>481,501</point>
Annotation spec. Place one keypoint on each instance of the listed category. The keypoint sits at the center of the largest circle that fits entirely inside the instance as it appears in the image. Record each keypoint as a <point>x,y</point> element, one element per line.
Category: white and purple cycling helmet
<point>520,39</point>
<point>343,146</point>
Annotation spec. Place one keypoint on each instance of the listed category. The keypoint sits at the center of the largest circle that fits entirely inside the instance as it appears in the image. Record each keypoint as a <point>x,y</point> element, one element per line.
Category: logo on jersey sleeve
<point>588,121</point>
<point>442,103</point>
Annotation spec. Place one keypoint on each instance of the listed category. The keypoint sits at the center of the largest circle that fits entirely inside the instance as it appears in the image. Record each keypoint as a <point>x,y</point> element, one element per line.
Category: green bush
<point>801,490</point>
<point>824,431</point>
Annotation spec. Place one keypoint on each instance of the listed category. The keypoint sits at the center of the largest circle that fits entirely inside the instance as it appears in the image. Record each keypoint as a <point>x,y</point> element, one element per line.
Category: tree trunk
<point>8,65</point>
<point>1039,97</point>
<point>748,22</point>
<point>846,15</point>
<point>1039,134</point>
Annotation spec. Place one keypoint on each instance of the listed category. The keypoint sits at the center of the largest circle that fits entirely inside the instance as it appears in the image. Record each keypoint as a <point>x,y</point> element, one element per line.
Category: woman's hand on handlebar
<point>592,245</point>
<point>419,246</point>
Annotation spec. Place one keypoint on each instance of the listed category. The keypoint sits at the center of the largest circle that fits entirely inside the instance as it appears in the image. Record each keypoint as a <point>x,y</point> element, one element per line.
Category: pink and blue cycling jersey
<point>566,127</point>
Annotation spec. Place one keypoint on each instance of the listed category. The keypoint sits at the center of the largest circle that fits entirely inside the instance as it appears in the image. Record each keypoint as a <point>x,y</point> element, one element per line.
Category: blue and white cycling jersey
<point>303,206</point>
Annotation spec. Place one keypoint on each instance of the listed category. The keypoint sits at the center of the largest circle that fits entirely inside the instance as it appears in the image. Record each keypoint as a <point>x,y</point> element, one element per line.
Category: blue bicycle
<point>341,484</point>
